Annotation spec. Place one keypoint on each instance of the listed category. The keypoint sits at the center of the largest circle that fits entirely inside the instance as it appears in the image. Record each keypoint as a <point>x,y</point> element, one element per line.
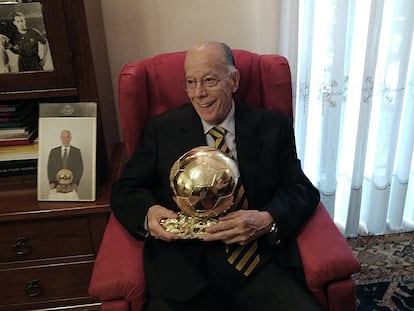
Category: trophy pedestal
<point>188,227</point>
<point>64,188</point>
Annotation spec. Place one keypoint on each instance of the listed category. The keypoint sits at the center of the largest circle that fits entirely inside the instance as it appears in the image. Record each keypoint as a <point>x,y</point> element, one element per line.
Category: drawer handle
<point>22,246</point>
<point>33,288</point>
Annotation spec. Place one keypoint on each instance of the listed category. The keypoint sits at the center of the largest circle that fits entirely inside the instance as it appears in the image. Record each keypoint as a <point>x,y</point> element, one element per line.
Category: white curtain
<point>354,112</point>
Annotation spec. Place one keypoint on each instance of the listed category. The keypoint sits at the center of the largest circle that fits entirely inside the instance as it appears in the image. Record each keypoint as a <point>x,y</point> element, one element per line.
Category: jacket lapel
<point>190,133</point>
<point>248,146</point>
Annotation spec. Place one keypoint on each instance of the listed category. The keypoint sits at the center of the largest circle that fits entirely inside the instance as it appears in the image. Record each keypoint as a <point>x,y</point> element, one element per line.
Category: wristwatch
<point>272,235</point>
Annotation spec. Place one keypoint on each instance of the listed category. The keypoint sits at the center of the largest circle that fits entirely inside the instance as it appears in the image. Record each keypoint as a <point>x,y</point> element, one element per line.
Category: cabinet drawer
<point>40,284</point>
<point>44,239</point>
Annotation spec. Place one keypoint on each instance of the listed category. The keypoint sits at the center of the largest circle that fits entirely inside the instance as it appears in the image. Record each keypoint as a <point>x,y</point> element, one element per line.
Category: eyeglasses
<point>208,82</point>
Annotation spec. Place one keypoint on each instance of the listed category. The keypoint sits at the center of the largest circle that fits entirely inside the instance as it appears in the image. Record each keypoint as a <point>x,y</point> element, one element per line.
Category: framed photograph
<point>34,46</point>
<point>24,45</point>
<point>67,152</point>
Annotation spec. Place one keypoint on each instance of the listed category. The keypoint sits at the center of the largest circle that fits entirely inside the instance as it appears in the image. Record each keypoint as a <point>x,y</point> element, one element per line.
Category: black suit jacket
<point>75,164</point>
<point>269,170</point>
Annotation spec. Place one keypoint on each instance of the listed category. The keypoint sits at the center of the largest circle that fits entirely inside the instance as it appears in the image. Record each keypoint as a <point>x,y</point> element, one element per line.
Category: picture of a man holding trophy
<point>64,169</point>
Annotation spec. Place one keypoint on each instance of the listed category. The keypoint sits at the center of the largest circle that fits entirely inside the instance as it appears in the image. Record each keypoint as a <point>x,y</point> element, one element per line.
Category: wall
<point>136,29</point>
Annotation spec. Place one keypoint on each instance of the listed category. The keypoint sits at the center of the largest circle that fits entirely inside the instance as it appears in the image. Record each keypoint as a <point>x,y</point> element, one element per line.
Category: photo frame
<point>67,152</point>
<point>24,45</point>
<point>49,17</point>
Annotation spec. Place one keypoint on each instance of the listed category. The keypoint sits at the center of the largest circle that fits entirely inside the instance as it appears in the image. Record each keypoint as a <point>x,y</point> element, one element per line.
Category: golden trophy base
<point>188,227</point>
<point>64,188</point>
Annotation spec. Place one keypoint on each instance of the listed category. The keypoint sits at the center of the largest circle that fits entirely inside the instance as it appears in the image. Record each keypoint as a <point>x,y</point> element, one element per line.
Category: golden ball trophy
<point>64,178</point>
<point>203,181</point>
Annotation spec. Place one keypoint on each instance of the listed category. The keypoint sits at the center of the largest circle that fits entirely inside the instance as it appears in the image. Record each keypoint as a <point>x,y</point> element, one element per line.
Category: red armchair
<point>153,85</point>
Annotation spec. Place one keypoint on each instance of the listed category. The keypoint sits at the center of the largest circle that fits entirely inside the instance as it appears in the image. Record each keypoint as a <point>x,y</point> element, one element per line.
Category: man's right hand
<point>155,214</point>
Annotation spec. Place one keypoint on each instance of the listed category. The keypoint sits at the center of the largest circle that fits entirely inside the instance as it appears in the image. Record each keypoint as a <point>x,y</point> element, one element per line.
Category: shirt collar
<point>228,124</point>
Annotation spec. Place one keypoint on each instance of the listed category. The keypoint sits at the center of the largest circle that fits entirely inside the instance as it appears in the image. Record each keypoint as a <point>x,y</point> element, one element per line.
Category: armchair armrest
<point>326,256</point>
<point>118,272</point>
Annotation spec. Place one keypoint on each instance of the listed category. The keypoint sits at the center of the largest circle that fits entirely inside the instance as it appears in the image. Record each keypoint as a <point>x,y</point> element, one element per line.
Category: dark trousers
<point>270,289</point>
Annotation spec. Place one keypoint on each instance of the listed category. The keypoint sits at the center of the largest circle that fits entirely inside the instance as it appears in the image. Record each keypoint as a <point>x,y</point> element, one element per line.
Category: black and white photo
<point>24,45</point>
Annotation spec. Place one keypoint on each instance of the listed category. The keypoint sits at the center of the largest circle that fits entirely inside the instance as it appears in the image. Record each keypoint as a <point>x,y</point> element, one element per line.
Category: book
<point>28,139</point>
<point>18,167</point>
<point>17,115</point>
<point>7,114</point>
<point>26,134</point>
<point>15,142</point>
<point>19,152</point>
<point>5,132</point>
<point>12,106</point>
<point>28,121</point>
<point>15,132</point>
<point>25,138</point>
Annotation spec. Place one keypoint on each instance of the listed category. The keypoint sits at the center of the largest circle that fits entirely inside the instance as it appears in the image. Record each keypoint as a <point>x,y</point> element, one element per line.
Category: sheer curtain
<point>354,112</point>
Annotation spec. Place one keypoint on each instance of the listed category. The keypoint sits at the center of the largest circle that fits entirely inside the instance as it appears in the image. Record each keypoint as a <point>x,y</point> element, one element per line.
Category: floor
<point>384,258</point>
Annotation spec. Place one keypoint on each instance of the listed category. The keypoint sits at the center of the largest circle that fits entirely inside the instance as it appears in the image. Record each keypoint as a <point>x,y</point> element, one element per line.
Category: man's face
<point>20,23</point>
<point>65,138</point>
<point>202,65</point>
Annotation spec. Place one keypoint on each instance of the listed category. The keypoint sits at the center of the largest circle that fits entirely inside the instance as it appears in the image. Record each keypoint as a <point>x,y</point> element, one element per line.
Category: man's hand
<point>155,214</point>
<point>240,227</point>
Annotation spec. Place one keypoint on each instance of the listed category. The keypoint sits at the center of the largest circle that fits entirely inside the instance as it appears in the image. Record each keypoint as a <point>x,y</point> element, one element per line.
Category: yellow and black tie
<point>244,258</point>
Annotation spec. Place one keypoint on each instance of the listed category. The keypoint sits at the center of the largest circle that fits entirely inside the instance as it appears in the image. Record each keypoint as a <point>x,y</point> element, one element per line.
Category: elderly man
<point>249,260</point>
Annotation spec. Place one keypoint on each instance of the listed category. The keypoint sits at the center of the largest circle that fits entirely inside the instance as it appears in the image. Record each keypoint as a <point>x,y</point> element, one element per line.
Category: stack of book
<point>19,159</point>
<point>18,123</point>
<point>18,133</point>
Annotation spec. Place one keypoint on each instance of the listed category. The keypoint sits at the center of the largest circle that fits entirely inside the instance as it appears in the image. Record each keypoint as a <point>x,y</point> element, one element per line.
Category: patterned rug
<point>386,280</point>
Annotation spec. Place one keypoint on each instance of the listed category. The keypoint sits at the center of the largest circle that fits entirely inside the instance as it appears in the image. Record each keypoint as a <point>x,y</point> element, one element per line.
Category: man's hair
<point>65,131</point>
<point>15,14</point>
<point>228,53</point>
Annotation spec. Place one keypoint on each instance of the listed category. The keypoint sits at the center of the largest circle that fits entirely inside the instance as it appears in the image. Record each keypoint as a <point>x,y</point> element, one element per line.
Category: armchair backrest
<point>153,85</point>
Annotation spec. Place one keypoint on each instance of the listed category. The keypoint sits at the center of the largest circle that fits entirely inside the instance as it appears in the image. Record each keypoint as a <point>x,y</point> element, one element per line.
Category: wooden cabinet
<point>47,249</point>
<point>51,282</point>
<point>35,240</point>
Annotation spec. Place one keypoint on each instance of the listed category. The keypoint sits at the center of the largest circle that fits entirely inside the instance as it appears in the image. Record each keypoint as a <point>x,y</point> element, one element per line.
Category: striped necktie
<point>244,258</point>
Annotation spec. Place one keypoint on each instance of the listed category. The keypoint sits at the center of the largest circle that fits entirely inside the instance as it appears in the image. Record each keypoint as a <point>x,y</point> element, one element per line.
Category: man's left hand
<point>240,227</point>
